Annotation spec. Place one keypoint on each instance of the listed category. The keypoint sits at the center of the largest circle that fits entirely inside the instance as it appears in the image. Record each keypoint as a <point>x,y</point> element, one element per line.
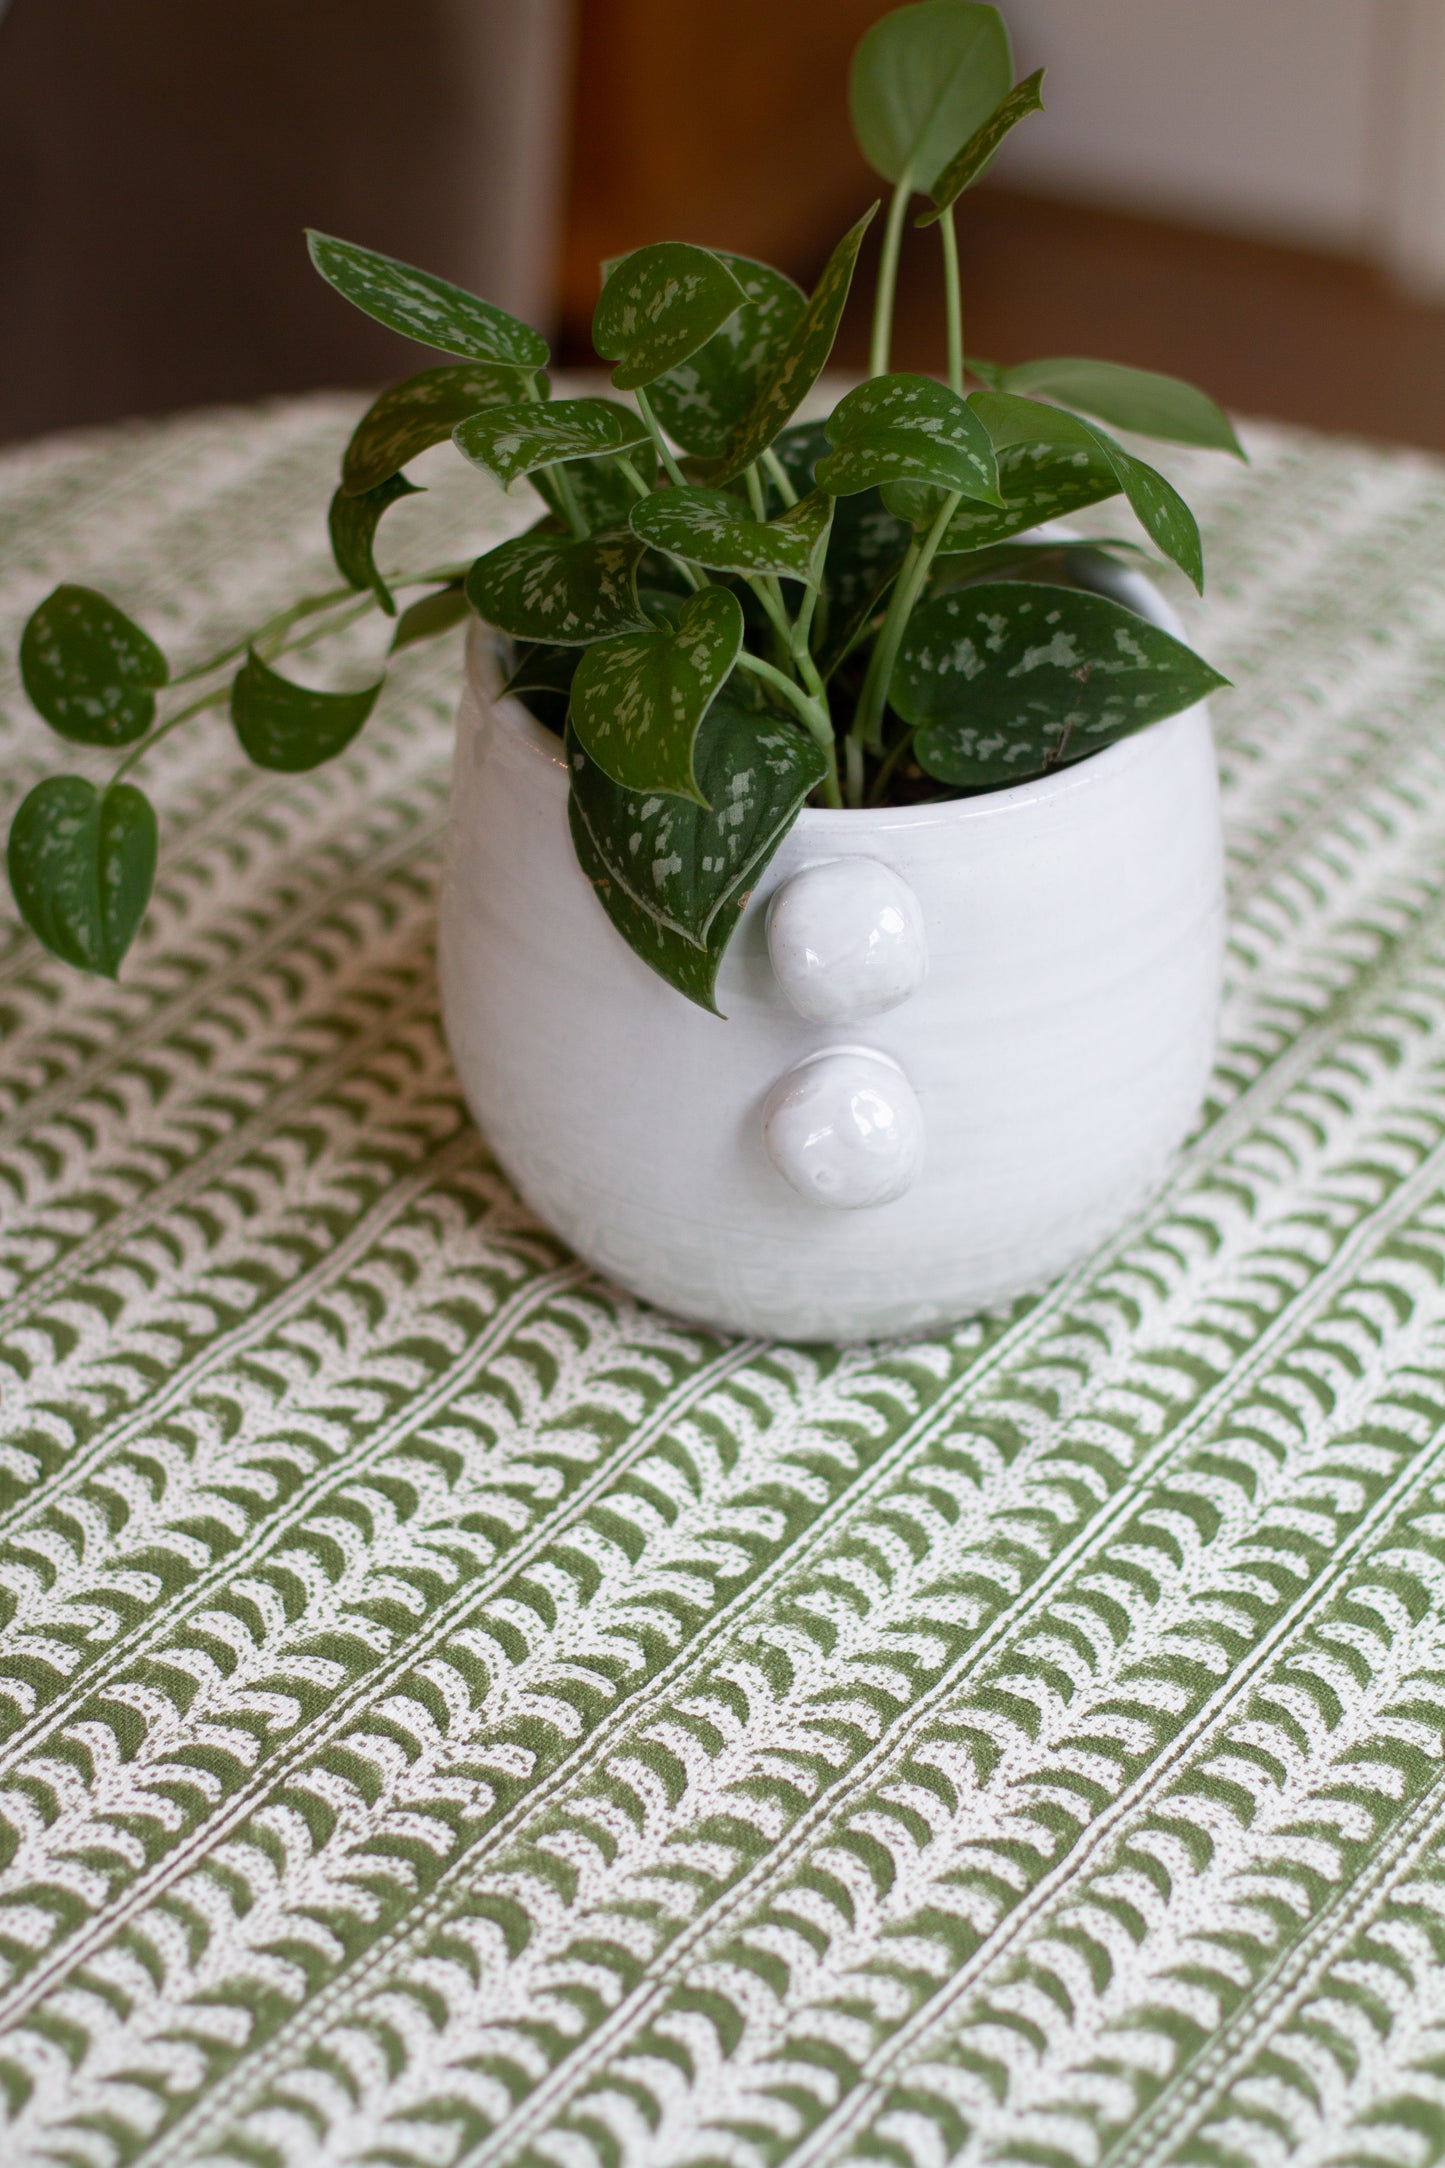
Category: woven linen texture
<point>452,1713</point>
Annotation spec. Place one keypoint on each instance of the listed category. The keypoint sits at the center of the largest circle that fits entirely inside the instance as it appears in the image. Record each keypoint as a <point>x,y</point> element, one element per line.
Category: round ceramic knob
<point>846,940</point>
<point>845,1128</point>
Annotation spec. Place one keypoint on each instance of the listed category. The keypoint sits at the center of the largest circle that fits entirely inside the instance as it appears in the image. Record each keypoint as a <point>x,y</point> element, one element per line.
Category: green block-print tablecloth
<point>453,1714</point>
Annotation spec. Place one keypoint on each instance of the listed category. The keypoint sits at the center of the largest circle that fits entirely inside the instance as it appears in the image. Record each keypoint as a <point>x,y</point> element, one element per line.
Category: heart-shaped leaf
<point>410,417</point>
<point>89,669</point>
<point>709,527</point>
<point>352,523</point>
<point>552,587</point>
<point>702,400</point>
<point>971,163</point>
<point>1038,482</point>
<point>672,876</point>
<point>802,360</point>
<point>435,613</point>
<point>1138,399</point>
<point>924,80</point>
<point>509,441</point>
<point>81,866</point>
<point>908,429</point>
<point>1157,504</point>
<point>1008,679</point>
<point>658,306</point>
<point>287,726</point>
<point>638,702</point>
<point>423,307</point>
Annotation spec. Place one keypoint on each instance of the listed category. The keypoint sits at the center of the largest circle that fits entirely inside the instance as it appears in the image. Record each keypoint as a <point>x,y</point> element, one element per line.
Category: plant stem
<point>885,773</point>
<point>887,286</point>
<point>868,722</point>
<point>307,606</point>
<point>163,730</point>
<point>953,300</point>
<point>620,459</point>
<point>780,478</point>
<point>810,711</point>
<point>674,471</point>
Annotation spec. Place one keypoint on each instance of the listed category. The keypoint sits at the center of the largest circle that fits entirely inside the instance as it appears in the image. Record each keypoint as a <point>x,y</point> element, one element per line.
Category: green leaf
<point>971,163</point>
<point>866,547</point>
<point>410,417</point>
<point>600,490</point>
<point>702,400</point>
<point>639,702</point>
<point>509,441</point>
<point>1157,504</point>
<point>1038,482</point>
<point>1137,399</point>
<point>802,360</point>
<point>423,307</point>
<point>1006,680</point>
<point>924,80</point>
<point>658,306</point>
<point>290,727</point>
<point>352,523</point>
<point>908,429</point>
<point>81,866</point>
<point>551,587</point>
<point>89,669</point>
<point>709,527</point>
<point>435,613</point>
<point>674,877</point>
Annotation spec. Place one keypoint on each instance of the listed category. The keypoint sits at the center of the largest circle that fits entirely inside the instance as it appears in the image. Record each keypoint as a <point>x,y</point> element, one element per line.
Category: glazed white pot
<point>857,1170</point>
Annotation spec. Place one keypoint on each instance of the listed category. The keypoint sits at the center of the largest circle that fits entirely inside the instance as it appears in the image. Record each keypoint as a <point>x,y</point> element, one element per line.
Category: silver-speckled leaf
<point>554,588</point>
<point>709,527</point>
<point>658,306</point>
<point>802,360</point>
<point>970,164</point>
<point>1037,482</point>
<point>81,865</point>
<point>292,727</point>
<point>510,441</point>
<point>89,669</point>
<point>702,400</point>
<point>1006,680</point>
<point>352,522</point>
<point>907,428</point>
<point>421,306</point>
<point>410,417</point>
<point>673,876</point>
<point>639,702</point>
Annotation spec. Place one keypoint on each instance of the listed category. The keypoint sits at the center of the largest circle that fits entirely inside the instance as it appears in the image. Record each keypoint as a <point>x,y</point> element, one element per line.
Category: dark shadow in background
<point>159,159</point>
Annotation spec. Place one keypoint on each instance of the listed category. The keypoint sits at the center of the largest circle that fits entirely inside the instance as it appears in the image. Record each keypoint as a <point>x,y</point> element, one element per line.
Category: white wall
<point>1320,122</point>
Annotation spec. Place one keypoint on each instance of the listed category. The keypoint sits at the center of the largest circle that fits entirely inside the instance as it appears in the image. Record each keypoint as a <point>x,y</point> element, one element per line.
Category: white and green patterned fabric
<point>453,1714</point>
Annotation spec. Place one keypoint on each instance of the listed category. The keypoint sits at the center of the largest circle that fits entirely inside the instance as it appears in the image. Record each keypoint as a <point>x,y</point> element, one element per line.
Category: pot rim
<point>1095,771</point>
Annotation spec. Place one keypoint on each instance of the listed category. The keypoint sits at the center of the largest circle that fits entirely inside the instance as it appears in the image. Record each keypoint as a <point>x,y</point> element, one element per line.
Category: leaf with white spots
<point>702,400</point>
<point>1037,482</point>
<point>423,307</point>
<point>509,441</point>
<point>89,669</point>
<point>293,727</point>
<point>907,428</point>
<point>1006,680</point>
<point>801,362</point>
<point>639,702</point>
<point>411,416</point>
<point>711,528</point>
<point>552,587</point>
<point>673,876</point>
<point>81,865</point>
<point>352,522</point>
<point>658,306</point>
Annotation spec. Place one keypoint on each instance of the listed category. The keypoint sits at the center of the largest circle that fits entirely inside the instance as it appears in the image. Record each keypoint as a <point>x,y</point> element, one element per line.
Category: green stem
<point>888,278</point>
<point>633,478</point>
<point>953,300</point>
<point>810,711</point>
<point>561,481</point>
<point>307,606</point>
<point>868,722</point>
<point>674,471</point>
<point>780,478</point>
<point>163,730</point>
<point>885,773</point>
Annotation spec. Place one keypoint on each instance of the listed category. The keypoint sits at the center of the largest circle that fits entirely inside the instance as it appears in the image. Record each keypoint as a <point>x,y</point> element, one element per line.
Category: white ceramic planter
<point>1009,1110</point>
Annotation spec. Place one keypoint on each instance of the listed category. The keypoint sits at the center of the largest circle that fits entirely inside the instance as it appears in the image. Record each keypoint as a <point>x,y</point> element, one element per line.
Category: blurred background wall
<point>1249,191</point>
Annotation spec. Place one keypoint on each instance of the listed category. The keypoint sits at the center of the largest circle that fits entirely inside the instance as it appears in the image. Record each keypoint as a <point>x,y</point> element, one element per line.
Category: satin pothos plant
<point>725,612</point>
